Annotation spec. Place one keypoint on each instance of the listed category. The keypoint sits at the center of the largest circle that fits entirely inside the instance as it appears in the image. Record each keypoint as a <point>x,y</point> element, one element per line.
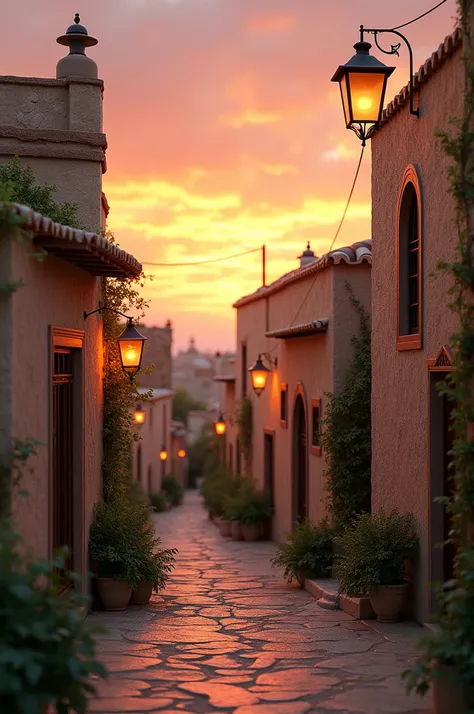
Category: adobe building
<point>155,434</point>
<point>194,371</point>
<point>157,353</point>
<point>51,361</point>
<point>413,228</point>
<point>302,324</point>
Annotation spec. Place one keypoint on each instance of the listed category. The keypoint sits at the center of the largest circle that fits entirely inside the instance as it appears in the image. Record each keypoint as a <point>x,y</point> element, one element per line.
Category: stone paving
<point>228,636</point>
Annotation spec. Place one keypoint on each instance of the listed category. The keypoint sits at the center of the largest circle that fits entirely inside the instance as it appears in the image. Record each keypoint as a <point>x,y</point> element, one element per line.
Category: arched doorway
<point>300,441</point>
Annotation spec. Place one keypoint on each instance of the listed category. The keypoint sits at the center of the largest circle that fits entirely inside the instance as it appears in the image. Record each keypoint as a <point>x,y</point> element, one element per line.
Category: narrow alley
<point>228,635</point>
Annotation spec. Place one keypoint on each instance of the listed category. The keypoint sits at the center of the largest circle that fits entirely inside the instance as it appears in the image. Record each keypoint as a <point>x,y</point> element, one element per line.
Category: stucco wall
<point>55,126</point>
<point>400,438</point>
<point>317,362</point>
<point>36,307</point>
<point>155,432</point>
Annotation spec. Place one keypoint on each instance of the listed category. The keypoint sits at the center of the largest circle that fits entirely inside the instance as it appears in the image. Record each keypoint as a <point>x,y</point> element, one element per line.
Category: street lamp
<point>220,426</point>
<point>181,453</point>
<point>363,82</point>
<point>259,373</point>
<point>163,453</point>
<point>139,415</point>
<point>130,343</point>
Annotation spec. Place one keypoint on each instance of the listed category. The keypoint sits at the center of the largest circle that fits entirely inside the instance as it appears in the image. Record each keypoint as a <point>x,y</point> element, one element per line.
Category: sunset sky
<point>224,132</point>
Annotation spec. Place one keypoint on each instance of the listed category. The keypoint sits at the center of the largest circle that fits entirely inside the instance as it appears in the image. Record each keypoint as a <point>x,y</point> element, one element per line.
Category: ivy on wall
<point>346,436</point>
<point>120,394</point>
<point>453,644</point>
<point>244,421</point>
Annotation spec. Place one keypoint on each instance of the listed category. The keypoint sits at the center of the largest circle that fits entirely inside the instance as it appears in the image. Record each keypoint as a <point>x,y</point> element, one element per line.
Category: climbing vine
<point>120,394</point>
<point>346,436</point>
<point>244,421</point>
<point>453,644</point>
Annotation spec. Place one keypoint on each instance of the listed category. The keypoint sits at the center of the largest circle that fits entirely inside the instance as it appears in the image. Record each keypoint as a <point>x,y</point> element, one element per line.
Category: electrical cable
<point>203,262</point>
<point>405,24</point>
<point>356,176</point>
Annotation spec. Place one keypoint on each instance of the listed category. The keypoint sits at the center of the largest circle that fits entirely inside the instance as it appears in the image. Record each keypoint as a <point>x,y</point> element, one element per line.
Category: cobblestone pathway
<point>228,636</point>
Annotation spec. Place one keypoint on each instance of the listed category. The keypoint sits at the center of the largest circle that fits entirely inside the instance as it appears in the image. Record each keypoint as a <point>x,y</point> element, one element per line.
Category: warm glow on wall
<point>259,374</point>
<point>139,415</point>
<point>220,426</point>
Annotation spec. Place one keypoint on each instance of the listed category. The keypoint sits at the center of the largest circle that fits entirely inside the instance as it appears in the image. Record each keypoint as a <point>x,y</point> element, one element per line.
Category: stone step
<point>328,603</point>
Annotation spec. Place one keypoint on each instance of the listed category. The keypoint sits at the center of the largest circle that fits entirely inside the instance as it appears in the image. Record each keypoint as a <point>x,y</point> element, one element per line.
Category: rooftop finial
<point>77,18</point>
<point>307,257</point>
<point>308,246</point>
<point>76,64</point>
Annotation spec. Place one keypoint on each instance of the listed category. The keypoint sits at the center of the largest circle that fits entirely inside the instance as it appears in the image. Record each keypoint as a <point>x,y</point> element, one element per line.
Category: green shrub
<point>172,489</point>
<point>158,502</point>
<point>217,487</point>
<point>244,503</point>
<point>118,535</point>
<point>307,550</point>
<point>156,567</point>
<point>47,646</point>
<point>375,550</point>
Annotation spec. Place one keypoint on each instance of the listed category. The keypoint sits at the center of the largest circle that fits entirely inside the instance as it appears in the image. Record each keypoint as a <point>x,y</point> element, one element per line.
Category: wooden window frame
<point>409,341</point>
<point>315,404</point>
<point>284,388</point>
<point>71,339</point>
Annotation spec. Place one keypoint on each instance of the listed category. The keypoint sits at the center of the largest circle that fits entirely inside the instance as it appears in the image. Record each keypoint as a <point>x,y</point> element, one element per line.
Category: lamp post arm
<point>273,362</point>
<point>394,51</point>
<point>110,309</point>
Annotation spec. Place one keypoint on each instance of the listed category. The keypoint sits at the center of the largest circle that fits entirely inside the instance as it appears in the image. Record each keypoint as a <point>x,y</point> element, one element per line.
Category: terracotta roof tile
<point>446,50</point>
<point>89,251</point>
<point>309,328</point>
<point>355,254</point>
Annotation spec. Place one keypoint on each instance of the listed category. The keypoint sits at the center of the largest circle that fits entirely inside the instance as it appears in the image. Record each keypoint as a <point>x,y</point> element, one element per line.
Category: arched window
<point>409,263</point>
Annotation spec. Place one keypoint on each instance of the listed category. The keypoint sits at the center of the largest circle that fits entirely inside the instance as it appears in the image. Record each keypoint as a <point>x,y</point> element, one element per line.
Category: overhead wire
<point>348,202</point>
<point>415,19</point>
<point>203,262</point>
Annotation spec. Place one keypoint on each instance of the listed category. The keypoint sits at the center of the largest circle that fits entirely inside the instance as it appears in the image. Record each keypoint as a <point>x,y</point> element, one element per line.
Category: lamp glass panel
<point>220,427</point>
<point>366,89</point>
<point>259,379</point>
<point>345,100</point>
<point>139,416</point>
<point>131,353</point>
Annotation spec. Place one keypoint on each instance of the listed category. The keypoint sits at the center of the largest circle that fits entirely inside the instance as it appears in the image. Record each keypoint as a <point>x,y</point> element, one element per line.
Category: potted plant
<point>47,645</point>
<point>115,547</point>
<point>255,510</point>
<point>154,570</point>
<point>158,502</point>
<point>172,490</point>
<point>445,664</point>
<point>306,553</point>
<point>373,561</point>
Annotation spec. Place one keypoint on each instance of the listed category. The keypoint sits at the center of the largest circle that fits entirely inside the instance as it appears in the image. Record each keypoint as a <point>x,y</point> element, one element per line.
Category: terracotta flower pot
<point>448,695</point>
<point>114,593</point>
<point>388,602</point>
<point>236,530</point>
<point>301,578</point>
<point>251,531</point>
<point>142,593</point>
<point>225,529</point>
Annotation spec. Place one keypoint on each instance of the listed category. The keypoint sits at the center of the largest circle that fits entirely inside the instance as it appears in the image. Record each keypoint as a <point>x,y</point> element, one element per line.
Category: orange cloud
<point>270,24</point>
<point>250,116</point>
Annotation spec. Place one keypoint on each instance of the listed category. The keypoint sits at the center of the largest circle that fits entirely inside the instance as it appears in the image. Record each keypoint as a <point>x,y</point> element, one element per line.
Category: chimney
<point>76,63</point>
<point>307,257</point>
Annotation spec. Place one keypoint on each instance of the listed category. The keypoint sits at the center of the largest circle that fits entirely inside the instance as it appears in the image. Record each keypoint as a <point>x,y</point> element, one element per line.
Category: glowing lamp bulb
<point>163,453</point>
<point>139,415</point>
<point>181,453</point>
<point>364,103</point>
<point>220,426</point>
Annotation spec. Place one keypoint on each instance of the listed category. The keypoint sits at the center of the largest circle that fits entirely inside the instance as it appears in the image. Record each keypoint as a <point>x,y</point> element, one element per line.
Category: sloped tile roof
<point>446,50</point>
<point>355,254</point>
<point>89,251</point>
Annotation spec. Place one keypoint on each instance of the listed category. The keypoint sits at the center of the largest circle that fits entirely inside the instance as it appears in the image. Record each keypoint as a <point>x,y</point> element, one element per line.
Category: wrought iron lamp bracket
<point>110,309</point>
<point>272,360</point>
<point>394,50</point>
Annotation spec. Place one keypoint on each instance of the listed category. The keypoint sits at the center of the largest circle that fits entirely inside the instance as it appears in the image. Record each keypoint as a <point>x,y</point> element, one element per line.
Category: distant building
<point>307,357</point>
<point>158,353</point>
<point>194,371</point>
<point>155,436</point>
<point>197,420</point>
